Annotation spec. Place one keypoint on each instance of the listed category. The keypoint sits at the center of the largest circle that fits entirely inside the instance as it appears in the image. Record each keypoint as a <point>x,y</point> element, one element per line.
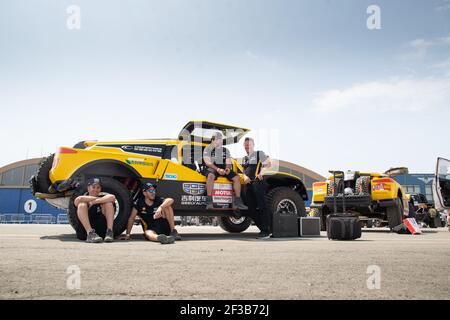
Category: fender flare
<point>106,167</point>
<point>281,179</point>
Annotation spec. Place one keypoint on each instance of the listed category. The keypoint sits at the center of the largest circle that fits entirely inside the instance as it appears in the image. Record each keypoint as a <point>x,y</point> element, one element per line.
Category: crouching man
<point>157,217</point>
<point>93,205</point>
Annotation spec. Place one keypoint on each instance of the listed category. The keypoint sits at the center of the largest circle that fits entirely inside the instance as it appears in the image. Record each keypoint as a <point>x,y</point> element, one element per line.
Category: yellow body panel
<point>147,166</point>
<point>319,191</point>
<point>68,163</point>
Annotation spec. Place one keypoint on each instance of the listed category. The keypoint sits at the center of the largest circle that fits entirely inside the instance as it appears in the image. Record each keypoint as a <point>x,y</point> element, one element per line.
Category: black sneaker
<point>109,236</point>
<point>175,234</point>
<point>92,237</point>
<point>238,204</point>
<point>264,235</point>
<point>163,239</point>
<point>209,203</point>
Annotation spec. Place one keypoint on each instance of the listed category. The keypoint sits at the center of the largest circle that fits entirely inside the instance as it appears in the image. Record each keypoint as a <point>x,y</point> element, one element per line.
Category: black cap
<point>148,185</point>
<point>93,181</point>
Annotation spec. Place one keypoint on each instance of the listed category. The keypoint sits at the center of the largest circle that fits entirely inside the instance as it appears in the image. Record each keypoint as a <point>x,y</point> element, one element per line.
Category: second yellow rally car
<point>175,165</point>
<point>369,194</point>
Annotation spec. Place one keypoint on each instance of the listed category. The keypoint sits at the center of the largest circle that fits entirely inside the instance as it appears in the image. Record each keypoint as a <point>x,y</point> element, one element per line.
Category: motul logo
<point>222,193</point>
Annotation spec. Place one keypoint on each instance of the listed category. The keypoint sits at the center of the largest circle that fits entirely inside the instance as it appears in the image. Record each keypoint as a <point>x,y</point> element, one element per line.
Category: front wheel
<point>122,206</point>
<point>284,200</point>
<point>235,225</point>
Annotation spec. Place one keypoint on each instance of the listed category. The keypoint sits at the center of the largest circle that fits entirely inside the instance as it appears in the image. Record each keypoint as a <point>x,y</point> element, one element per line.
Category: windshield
<point>202,134</point>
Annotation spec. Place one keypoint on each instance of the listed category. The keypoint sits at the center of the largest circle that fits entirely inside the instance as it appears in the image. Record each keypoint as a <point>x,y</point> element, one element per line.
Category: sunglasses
<point>150,190</point>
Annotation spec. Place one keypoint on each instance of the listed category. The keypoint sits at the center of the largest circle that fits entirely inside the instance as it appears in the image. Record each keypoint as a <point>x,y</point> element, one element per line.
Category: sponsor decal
<point>381,187</point>
<point>148,149</point>
<point>153,150</point>
<point>222,193</point>
<point>190,200</point>
<point>139,162</point>
<point>171,176</point>
<point>194,188</point>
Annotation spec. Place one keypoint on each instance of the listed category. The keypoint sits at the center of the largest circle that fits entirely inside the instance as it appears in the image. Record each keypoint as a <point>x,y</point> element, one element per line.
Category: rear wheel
<point>122,206</point>
<point>395,214</point>
<point>235,225</point>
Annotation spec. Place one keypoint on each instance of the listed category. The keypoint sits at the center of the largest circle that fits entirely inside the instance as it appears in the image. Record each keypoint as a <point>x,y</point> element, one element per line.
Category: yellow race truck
<point>175,165</point>
<point>370,195</point>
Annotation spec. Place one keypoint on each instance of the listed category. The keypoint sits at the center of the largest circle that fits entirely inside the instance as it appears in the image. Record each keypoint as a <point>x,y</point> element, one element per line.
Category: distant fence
<point>42,218</point>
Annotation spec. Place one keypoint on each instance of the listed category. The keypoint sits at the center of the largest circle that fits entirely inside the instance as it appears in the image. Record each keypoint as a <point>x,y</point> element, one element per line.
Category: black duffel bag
<point>343,227</point>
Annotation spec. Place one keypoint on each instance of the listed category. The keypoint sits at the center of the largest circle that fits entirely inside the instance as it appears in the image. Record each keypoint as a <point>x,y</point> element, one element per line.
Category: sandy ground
<point>36,260</point>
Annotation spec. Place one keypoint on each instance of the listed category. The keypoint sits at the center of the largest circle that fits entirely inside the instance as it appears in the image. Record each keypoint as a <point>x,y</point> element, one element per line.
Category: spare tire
<point>122,205</point>
<point>42,178</point>
<point>340,186</point>
<point>362,185</point>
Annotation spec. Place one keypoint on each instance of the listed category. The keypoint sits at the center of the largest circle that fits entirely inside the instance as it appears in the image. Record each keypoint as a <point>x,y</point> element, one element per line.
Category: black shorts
<point>159,226</point>
<point>229,176</point>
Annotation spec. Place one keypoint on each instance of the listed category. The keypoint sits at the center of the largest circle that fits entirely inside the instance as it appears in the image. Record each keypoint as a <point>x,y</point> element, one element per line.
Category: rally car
<point>175,165</point>
<point>368,194</point>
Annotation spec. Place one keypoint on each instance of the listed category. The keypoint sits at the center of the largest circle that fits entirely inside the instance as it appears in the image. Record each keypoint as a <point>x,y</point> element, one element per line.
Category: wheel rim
<point>117,205</point>
<point>287,207</point>
<point>234,220</point>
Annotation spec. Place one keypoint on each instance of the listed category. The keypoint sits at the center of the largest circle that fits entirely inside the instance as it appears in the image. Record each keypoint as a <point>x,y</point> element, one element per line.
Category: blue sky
<point>308,75</point>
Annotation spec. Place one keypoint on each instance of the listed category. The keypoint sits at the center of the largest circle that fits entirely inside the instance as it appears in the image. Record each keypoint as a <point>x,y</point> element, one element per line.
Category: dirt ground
<point>43,261</point>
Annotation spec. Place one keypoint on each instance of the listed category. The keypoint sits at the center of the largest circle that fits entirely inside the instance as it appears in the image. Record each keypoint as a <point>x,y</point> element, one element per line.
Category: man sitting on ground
<point>157,217</point>
<point>91,206</point>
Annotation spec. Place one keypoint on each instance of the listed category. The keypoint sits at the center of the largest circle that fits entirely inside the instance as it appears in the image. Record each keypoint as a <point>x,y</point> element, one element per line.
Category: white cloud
<point>394,94</point>
<point>418,48</point>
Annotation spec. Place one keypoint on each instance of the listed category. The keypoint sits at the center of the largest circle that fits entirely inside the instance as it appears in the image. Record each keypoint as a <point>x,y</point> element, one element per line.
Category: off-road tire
<point>395,214</point>
<point>340,188</point>
<point>278,194</point>
<point>42,174</point>
<point>362,185</point>
<point>227,224</point>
